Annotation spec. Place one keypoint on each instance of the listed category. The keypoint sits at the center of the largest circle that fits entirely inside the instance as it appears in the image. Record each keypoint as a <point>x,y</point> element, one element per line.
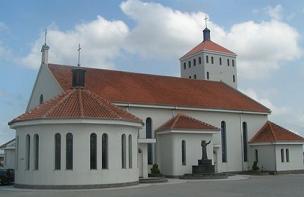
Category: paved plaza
<point>236,186</point>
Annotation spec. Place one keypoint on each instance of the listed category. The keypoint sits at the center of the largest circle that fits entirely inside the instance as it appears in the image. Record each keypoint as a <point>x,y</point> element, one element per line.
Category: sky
<point>149,37</point>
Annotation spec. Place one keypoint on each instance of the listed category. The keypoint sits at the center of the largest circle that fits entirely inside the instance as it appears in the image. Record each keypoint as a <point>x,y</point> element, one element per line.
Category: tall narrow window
<point>207,59</point>
<point>282,155</point>
<point>224,141</point>
<point>130,151</point>
<point>287,155</point>
<point>194,76</point>
<point>28,151</point>
<point>69,151</point>
<point>189,64</point>
<point>185,66</point>
<point>228,62</point>
<point>256,155</point>
<point>57,151</point>
<point>220,61</point>
<point>149,135</point>
<point>36,152</point>
<point>212,60</point>
<point>194,62</point>
<point>41,99</point>
<point>232,62</point>
<point>233,78</point>
<point>199,60</point>
<point>123,151</point>
<point>104,151</point>
<point>17,151</point>
<point>207,75</point>
<point>93,151</point>
<point>245,143</point>
<point>183,152</point>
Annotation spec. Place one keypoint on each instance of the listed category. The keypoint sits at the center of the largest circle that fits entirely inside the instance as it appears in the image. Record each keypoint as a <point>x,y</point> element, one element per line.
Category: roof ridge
<point>177,117</point>
<point>80,103</point>
<point>98,98</point>
<point>68,93</point>
<point>272,131</point>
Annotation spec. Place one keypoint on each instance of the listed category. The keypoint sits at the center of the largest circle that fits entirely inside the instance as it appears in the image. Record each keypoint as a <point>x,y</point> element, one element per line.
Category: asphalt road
<point>255,186</point>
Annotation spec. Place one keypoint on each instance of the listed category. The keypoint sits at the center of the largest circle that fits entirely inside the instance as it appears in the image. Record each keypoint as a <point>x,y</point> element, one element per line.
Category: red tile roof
<point>272,132</point>
<point>77,104</point>
<point>181,121</point>
<point>208,45</point>
<point>134,88</point>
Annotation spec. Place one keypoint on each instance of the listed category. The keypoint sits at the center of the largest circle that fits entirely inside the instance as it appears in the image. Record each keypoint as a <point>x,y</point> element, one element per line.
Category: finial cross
<point>206,20</point>
<point>78,54</point>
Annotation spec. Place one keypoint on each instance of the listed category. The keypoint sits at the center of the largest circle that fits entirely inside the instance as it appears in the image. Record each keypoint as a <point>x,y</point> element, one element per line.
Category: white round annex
<point>76,140</point>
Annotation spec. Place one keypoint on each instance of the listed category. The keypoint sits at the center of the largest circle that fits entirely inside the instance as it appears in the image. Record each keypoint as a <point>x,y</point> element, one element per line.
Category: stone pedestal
<point>204,167</point>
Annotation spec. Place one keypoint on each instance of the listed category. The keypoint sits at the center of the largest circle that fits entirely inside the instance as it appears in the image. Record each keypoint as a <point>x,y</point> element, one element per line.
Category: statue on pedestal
<point>204,149</point>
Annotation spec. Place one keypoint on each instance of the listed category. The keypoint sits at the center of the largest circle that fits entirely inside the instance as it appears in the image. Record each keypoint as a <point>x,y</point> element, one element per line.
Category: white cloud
<point>161,33</point>
<point>275,12</point>
<point>100,39</point>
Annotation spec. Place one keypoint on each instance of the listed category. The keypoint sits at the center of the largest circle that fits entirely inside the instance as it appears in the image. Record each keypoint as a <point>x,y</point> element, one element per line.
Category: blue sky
<point>149,37</point>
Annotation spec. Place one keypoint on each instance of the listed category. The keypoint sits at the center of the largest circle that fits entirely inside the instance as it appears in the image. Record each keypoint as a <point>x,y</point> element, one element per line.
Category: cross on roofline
<point>78,54</point>
<point>206,20</point>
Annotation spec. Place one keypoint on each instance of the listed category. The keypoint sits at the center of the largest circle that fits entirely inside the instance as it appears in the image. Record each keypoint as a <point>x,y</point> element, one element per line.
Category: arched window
<point>233,78</point>
<point>185,66</point>
<point>224,141</point>
<point>212,60</point>
<point>194,62</point>
<point>287,155</point>
<point>130,151</point>
<point>245,141</point>
<point>41,99</point>
<point>104,151</point>
<point>282,155</point>
<point>232,62</point>
<point>36,152</point>
<point>184,152</point>
<point>194,76</point>
<point>93,151</point>
<point>207,75</point>
<point>28,152</point>
<point>69,151</point>
<point>207,59</point>
<point>220,61</point>
<point>149,135</point>
<point>57,151</point>
<point>228,62</point>
<point>123,151</point>
<point>199,60</point>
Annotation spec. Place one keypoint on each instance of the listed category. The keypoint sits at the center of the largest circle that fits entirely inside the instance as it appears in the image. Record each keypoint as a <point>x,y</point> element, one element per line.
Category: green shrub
<point>255,166</point>
<point>155,170</point>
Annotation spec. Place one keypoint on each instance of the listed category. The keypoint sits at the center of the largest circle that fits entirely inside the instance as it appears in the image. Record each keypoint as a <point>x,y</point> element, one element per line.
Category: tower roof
<point>77,103</point>
<point>272,132</point>
<point>209,46</point>
<point>181,121</point>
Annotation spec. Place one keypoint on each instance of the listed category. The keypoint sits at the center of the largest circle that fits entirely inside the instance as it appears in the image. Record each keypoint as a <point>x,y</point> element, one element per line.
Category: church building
<point>87,127</point>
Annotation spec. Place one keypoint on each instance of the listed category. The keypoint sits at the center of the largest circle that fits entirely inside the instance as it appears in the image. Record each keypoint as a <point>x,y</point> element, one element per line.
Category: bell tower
<point>209,61</point>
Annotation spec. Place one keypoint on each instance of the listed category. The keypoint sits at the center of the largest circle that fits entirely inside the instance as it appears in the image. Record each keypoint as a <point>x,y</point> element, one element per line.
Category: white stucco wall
<point>216,71</point>
<point>81,173</point>
<point>45,85</point>
<point>170,146</point>
<point>266,157</point>
<point>234,131</point>
<point>295,157</point>
<point>9,158</point>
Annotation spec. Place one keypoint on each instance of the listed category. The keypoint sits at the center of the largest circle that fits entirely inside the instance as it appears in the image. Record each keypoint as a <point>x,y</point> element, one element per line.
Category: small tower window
<point>220,61</point>
<point>189,64</point>
<point>199,60</point>
<point>228,62</point>
<point>232,63</point>
<point>194,76</point>
<point>194,62</point>
<point>207,75</point>
<point>185,66</point>
<point>41,99</point>
<point>233,78</point>
<point>212,60</point>
<point>207,59</point>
